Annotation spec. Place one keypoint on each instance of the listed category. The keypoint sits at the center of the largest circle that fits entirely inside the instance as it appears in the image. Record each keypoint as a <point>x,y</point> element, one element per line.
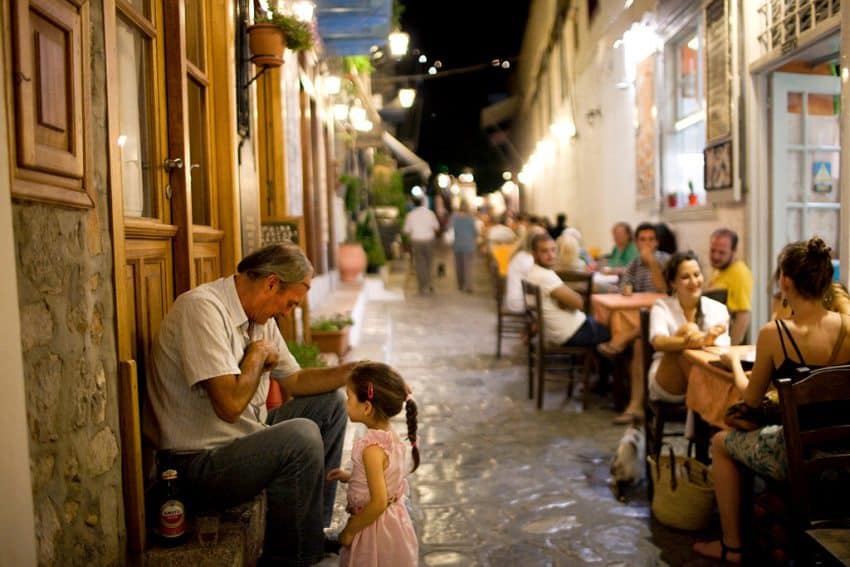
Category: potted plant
<point>693,199</point>
<point>269,35</point>
<point>330,333</point>
<point>351,257</point>
<point>307,356</point>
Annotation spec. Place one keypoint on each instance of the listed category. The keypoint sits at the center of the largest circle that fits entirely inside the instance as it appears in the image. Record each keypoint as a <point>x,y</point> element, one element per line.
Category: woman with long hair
<point>811,336</point>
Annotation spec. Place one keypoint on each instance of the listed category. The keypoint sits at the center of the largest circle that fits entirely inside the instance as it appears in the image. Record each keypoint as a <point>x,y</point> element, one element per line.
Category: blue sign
<point>353,27</point>
<point>822,177</point>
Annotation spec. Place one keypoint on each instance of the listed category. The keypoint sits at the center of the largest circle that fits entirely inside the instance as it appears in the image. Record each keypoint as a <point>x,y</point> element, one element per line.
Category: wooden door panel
<point>207,260</point>
<point>151,295</point>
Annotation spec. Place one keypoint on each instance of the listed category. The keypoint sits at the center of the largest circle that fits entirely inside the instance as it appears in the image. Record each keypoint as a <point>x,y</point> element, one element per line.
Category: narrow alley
<point>502,483</point>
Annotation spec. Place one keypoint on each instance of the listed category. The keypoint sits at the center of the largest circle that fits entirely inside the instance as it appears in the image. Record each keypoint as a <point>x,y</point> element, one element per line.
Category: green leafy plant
<point>299,37</point>
<point>367,235</point>
<point>352,193</point>
<point>307,356</point>
<point>389,192</point>
<point>334,322</point>
<point>360,63</point>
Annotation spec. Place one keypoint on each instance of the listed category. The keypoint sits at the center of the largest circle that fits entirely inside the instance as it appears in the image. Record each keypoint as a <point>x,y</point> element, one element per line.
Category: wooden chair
<point>543,357</point>
<point>508,323</point>
<point>657,413</point>
<point>816,425</point>
<point>717,294</point>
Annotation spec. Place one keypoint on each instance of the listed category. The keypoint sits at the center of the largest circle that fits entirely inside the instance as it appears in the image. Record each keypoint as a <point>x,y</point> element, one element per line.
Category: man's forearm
<point>311,381</point>
<point>740,324</point>
<point>658,278</point>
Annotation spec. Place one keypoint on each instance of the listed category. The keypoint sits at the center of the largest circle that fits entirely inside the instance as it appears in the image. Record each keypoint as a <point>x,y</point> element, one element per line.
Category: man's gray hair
<point>286,261</point>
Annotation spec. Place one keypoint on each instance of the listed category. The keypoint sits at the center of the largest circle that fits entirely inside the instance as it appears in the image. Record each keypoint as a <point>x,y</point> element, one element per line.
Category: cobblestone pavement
<point>502,483</point>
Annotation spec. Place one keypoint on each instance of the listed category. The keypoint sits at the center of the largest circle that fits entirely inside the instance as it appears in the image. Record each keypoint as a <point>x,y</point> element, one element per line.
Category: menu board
<point>717,72</point>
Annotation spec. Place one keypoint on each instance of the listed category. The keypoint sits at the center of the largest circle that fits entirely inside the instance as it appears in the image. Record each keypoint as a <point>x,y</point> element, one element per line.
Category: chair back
<point>498,285</point>
<point>816,426</point>
<point>534,311</point>
<point>717,294</point>
<point>648,351</point>
<point>580,282</point>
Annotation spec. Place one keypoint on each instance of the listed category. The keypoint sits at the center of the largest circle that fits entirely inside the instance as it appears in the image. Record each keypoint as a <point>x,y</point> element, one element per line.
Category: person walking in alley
<point>421,225</point>
<point>379,530</point>
<point>465,235</point>
<point>566,323</point>
<point>216,351</point>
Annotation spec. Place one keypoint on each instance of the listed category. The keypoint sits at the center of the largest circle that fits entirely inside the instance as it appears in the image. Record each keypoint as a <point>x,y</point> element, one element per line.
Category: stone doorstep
<point>240,541</point>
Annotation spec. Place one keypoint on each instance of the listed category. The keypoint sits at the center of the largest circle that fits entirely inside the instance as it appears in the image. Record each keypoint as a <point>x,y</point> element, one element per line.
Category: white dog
<point>628,466</point>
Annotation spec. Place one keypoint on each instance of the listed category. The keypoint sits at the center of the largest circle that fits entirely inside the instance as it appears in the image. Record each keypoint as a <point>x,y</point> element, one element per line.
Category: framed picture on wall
<point>718,165</point>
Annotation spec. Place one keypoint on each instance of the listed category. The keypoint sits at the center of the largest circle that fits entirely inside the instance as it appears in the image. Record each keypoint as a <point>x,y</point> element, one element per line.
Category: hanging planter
<point>268,38</point>
<point>267,43</point>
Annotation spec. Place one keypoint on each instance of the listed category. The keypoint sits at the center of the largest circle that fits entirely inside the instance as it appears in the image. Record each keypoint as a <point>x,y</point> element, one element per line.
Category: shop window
<point>684,138</point>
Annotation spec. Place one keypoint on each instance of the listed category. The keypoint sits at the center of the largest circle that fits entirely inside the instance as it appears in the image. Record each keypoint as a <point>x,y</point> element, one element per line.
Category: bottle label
<point>172,519</point>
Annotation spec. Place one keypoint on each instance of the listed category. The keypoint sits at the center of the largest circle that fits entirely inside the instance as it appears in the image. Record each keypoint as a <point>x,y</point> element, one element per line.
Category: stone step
<point>239,541</point>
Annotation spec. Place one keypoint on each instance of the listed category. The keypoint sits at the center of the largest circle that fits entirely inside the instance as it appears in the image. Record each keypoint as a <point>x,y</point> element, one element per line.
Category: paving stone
<point>501,483</point>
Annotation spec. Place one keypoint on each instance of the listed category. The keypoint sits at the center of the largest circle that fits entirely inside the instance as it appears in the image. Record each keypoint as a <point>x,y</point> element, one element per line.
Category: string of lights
<point>502,63</point>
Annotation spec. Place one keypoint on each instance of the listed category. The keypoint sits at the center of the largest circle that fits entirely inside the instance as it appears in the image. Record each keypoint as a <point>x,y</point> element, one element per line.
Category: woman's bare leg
<point>727,488</point>
<point>671,375</point>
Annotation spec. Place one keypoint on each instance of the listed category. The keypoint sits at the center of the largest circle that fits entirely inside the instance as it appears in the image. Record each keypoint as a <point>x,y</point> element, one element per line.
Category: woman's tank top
<point>792,369</point>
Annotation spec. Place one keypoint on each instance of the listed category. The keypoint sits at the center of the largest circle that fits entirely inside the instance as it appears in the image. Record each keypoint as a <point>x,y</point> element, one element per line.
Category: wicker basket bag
<point>683,495</point>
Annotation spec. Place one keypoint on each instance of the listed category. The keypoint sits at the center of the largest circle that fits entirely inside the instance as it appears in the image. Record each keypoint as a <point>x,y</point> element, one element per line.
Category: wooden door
<point>162,172</point>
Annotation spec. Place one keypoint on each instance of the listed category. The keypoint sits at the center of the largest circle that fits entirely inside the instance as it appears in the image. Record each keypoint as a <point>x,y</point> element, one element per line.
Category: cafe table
<point>621,314</point>
<point>711,388</point>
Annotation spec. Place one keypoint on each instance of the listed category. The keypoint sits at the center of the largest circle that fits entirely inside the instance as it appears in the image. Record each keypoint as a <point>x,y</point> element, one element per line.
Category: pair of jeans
<point>591,333</point>
<point>423,260</point>
<point>288,460</point>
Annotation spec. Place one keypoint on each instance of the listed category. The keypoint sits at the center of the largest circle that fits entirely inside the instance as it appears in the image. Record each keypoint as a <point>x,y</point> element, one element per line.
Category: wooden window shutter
<point>52,151</point>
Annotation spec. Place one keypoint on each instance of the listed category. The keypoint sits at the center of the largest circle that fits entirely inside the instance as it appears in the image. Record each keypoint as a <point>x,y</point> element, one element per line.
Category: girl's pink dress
<point>389,541</point>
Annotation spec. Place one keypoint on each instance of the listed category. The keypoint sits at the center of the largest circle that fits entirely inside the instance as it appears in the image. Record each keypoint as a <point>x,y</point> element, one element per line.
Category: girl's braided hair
<point>388,395</point>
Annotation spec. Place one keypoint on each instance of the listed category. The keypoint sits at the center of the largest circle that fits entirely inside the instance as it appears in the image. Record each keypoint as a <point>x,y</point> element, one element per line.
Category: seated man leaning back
<point>213,358</point>
<point>566,323</point>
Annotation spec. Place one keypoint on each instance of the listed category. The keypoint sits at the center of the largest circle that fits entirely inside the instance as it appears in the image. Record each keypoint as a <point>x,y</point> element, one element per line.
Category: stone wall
<point>65,270</point>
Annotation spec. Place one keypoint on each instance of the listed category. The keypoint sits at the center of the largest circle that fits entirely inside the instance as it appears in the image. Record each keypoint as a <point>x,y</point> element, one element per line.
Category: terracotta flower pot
<point>331,341</point>
<point>693,199</point>
<point>672,200</point>
<point>351,261</point>
<point>267,44</point>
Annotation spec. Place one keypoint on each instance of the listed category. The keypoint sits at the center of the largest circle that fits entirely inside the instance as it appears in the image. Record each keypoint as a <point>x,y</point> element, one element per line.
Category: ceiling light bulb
<point>423,59</point>
<point>432,70</point>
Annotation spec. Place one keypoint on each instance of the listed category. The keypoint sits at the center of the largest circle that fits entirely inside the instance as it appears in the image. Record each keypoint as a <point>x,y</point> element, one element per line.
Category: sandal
<point>725,550</point>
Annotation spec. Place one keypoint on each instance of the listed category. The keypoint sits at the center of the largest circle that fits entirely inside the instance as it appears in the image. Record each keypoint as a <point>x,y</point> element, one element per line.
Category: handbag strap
<point>837,348</point>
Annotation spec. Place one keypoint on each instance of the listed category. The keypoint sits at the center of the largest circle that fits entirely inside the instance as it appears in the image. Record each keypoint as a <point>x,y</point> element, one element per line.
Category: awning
<point>406,155</point>
<point>499,112</point>
<point>353,27</point>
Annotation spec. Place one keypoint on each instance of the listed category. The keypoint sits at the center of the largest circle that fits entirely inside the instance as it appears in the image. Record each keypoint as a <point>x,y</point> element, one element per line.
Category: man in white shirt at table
<point>421,225</point>
<point>562,309</point>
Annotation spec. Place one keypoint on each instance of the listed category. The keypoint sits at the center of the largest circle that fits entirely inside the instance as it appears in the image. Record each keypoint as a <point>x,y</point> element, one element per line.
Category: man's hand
<point>267,352</point>
<point>627,289</point>
<point>647,255</point>
<point>713,333</point>
<point>338,474</point>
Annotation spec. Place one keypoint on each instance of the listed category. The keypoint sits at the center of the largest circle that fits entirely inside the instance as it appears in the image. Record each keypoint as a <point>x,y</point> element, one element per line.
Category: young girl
<point>379,531</point>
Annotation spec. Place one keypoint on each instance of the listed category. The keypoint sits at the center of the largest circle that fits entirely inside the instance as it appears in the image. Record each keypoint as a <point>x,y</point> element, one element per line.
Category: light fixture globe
<point>406,97</point>
<point>399,42</point>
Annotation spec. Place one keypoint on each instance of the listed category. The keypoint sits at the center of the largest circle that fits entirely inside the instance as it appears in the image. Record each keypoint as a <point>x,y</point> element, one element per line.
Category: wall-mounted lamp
<point>332,84</point>
<point>398,43</point>
<point>303,10</point>
<point>406,97</point>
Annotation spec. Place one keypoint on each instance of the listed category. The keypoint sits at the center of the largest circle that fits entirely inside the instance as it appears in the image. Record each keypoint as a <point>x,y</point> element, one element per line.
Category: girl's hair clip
<point>370,391</point>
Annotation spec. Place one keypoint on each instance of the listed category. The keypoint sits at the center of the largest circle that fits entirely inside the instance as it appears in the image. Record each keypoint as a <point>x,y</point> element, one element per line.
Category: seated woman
<point>684,320</point>
<point>812,336</point>
<point>569,254</point>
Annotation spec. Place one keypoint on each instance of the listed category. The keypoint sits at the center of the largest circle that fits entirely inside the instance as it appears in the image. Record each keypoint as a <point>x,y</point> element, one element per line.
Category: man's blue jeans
<point>289,461</point>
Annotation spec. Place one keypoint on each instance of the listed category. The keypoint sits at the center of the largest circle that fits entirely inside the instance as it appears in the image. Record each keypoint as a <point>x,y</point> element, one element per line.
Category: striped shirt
<point>205,335</point>
<point>639,275</point>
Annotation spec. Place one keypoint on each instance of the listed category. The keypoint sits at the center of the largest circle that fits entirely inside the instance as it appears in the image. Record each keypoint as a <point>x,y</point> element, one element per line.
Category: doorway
<point>805,157</point>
